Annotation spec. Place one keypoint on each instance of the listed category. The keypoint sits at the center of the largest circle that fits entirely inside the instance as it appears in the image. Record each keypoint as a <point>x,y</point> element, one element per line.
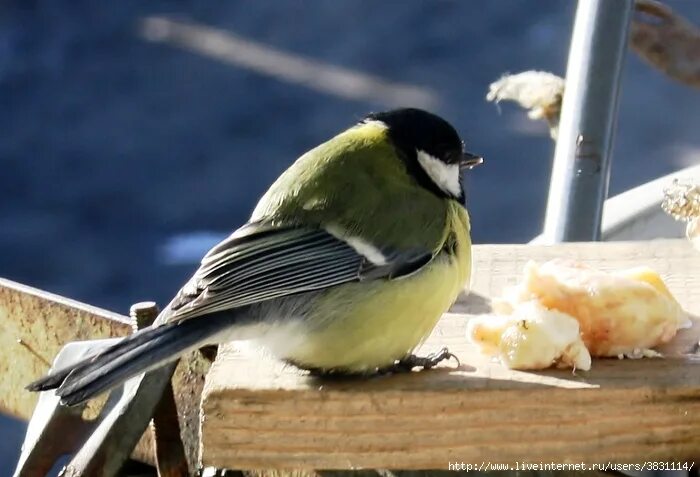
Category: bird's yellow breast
<point>366,325</point>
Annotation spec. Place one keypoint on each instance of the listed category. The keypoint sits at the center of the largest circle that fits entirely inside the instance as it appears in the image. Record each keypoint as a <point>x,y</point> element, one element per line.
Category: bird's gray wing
<point>259,263</point>
<point>255,264</point>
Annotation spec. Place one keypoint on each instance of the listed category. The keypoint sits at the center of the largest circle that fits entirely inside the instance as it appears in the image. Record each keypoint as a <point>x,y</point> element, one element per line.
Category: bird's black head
<point>430,148</point>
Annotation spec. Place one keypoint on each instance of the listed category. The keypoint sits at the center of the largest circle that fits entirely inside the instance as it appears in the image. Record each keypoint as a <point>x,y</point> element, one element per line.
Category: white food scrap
<point>539,92</point>
<point>562,312</point>
<point>682,202</point>
<point>533,337</point>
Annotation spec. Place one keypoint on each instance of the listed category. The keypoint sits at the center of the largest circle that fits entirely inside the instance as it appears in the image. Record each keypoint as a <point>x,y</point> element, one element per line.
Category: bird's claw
<point>425,362</point>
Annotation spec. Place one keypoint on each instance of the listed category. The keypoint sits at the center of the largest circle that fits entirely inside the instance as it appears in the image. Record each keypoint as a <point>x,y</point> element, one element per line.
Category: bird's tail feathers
<point>144,350</point>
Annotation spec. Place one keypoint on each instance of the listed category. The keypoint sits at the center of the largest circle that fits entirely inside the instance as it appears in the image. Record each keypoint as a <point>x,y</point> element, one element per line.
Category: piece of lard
<point>619,313</point>
<point>532,337</point>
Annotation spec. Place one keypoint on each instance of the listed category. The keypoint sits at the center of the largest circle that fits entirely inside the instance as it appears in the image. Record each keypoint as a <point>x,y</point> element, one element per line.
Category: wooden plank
<point>35,325</point>
<point>261,414</point>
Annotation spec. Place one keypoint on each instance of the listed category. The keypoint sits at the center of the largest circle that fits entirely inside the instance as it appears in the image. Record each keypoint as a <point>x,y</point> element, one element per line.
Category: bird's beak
<point>470,161</point>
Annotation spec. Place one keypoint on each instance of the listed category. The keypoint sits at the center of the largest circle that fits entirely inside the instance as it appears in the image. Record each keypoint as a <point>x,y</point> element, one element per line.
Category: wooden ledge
<point>35,325</point>
<point>261,414</point>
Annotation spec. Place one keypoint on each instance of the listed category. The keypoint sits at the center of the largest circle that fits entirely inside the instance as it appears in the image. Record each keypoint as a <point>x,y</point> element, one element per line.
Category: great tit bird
<point>346,264</point>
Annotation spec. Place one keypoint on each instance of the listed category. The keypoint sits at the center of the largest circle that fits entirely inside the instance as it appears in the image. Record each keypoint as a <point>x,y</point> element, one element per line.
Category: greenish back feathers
<point>359,165</point>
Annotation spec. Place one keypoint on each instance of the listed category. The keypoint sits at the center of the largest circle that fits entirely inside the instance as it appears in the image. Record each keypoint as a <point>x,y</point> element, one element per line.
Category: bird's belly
<point>358,327</point>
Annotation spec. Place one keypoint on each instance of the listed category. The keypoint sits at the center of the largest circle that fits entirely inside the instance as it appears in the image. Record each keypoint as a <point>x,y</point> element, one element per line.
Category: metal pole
<point>581,169</point>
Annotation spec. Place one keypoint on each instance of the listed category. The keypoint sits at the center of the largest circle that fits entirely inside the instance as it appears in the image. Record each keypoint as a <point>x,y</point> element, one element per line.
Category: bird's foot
<point>411,361</point>
<point>404,365</point>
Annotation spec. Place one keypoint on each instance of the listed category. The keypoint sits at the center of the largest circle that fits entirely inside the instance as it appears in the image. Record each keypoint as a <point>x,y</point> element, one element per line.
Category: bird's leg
<point>411,361</point>
<point>404,365</point>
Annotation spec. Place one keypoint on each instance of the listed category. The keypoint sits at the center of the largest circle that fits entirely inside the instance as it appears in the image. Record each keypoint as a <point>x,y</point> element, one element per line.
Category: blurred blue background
<point>123,143</point>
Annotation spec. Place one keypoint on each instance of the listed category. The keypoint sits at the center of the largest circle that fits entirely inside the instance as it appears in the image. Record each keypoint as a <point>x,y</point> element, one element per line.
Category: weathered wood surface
<point>34,326</point>
<point>260,414</point>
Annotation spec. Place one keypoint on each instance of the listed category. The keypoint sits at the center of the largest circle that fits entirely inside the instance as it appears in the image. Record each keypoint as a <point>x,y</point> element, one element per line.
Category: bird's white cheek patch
<point>445,176</point>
